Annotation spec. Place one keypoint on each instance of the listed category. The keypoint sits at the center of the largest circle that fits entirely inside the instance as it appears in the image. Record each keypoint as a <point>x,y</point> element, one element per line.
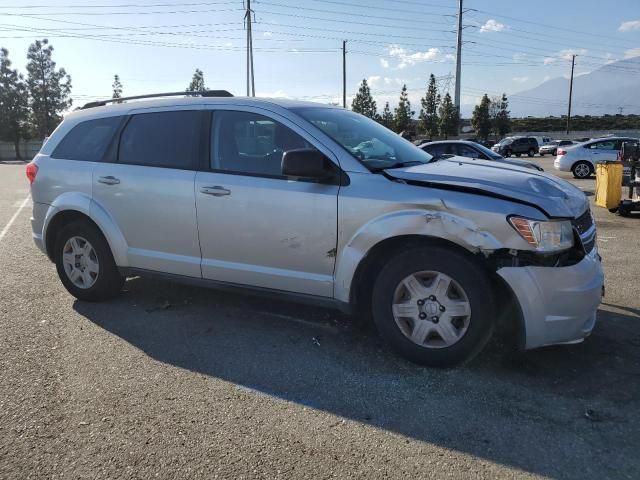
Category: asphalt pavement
<point>170,381</point>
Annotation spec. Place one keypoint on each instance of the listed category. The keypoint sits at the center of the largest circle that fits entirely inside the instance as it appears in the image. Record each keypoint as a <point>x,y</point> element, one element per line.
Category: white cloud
<point>406,58</point>
<point>565,54</point>
<point>267,34</point>
<point>520,79</point>
<point>492,25</point>
<point>610,58</point>
<point>384,62</point>
<point>546,78</point>
<point>630,25</point>
<point>373,81</point>
<point>518,57</point>
<point>632,52</point>
<point>276,94</point>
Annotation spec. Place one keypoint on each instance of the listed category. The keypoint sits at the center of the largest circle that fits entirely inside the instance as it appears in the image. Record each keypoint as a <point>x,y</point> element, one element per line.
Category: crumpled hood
<point>556,197</point>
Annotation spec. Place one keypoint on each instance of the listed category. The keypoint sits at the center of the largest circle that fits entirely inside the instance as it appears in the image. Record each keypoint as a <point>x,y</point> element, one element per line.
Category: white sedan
<point>582,158</point>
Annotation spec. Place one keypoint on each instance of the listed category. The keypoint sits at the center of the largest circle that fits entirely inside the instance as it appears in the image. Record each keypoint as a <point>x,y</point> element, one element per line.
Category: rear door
<point>148,189</point>
<point>256,226</point>
<point>604,150</point>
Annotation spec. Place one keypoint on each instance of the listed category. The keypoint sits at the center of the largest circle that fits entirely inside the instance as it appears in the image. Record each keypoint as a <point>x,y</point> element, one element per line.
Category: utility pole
<point>251,86</point>
<point>458,61</point>
<point>344,74</point>
<point>573,62</point>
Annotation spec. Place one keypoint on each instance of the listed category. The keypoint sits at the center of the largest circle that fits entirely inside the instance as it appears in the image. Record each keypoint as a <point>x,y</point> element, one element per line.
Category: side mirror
<point>305,163</point>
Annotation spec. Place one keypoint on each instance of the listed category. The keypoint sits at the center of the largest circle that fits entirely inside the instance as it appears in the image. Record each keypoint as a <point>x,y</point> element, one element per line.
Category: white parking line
<point>13,219</point>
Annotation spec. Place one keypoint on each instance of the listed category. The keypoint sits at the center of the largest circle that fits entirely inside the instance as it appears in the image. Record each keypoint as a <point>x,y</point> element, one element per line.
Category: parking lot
<point>171,381</point>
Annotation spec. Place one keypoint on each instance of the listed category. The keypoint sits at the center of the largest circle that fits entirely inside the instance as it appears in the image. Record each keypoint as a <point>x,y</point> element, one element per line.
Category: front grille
<point>583,223</point>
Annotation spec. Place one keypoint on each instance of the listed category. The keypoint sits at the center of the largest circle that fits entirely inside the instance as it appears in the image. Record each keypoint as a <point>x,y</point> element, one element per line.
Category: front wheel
<point>434,306</point>
<point>507,153</point>
<point>518,155</point>
<point>582,169</point>
<point>531,152</point>
<point>541,154</point>
<point>85,264</point>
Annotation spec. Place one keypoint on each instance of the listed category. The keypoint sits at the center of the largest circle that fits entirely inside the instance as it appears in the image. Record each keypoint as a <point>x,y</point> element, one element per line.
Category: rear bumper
<point>558,304</point>
<point>37,223</point>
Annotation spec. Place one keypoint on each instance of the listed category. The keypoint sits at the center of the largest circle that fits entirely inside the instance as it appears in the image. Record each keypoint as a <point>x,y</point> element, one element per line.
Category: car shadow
<point>527,410</point>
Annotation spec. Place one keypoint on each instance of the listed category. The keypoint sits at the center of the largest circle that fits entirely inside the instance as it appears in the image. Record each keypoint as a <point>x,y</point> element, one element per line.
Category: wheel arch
<point>80,207</point>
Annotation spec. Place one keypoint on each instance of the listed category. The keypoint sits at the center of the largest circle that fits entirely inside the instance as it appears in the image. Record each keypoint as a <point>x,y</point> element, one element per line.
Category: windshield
<point>488,152</point>
<point>373,145</point>
<point>506,141</point>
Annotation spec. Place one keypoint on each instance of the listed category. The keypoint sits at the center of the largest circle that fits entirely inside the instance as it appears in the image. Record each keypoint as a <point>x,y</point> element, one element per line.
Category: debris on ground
<point>316,341</point>
<point>164,306</point>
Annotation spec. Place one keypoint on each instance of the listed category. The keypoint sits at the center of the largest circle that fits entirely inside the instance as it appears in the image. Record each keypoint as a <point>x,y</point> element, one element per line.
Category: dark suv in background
<point>516,146</point>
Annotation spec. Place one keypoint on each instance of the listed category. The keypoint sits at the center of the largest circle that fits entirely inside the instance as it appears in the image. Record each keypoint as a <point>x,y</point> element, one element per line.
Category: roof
<point>466,142</point>
<point>126,107</point>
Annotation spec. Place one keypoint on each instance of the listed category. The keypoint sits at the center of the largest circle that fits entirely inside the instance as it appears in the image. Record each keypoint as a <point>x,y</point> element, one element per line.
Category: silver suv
<point>316,203</point>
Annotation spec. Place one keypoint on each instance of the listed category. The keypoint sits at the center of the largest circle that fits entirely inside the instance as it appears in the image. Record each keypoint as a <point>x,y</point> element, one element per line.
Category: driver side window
<point>249,143</point>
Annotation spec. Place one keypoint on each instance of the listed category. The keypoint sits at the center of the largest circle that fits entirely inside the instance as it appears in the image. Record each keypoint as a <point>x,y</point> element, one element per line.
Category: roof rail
<point>204,93</point>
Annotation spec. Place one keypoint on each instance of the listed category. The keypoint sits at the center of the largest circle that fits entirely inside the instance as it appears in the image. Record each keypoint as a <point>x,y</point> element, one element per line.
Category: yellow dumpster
<point>608,184</point>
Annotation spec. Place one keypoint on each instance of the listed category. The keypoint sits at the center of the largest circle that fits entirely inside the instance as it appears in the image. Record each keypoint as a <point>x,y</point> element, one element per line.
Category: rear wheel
<point>555,152</point>
<point>541,154</point>
<point>434,306</point>
<point>507,153</point>
<point>518,155</point>
<point>85,264</point>
<point>531,152</point>
<point>582,169</point>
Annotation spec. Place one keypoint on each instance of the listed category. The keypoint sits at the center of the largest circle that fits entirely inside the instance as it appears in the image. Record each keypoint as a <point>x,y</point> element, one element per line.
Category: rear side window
<point>88,140</point>
<point>162,139</point>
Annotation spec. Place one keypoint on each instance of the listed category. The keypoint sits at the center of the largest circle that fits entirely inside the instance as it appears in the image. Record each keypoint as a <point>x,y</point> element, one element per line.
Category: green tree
<point>480,120</point>
<point>14,108</point>
<point>363,102</point>
<point>403,112</point>
<point>502,120</point>
<point>428,119</point>
<point>49,88</point>
<point>387,117</point>
<point>197,82</point>
<point>448,118</point>
<point>117,87</point>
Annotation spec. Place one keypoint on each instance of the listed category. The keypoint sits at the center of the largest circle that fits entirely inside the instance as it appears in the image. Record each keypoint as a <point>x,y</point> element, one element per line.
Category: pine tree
<point>387,117</point>
<point>480,120</point>
<point>197,82</point>
<point>14,108</point>
<point>363,102</point>
<point>117,87</point>
<point>448,117</point>
<point>503,117</point>
<point>49,89</point>
<point>403,112</point>
<point>428,120</point>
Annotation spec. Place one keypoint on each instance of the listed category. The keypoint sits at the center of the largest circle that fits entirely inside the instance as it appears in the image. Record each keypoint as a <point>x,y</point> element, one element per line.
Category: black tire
<point>577,169</point>
<point>108,282</point>
<point>467,273</point>
<point>531,152</point>
<point>613,210</point>
<point>541,154</point>
<point>507,153</point>
<point>518,155</point>
<point>555,153</point>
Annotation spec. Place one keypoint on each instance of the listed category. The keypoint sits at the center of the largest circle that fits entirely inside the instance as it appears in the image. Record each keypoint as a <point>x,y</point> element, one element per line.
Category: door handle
<point>215,191</point>
<point>109,180</point>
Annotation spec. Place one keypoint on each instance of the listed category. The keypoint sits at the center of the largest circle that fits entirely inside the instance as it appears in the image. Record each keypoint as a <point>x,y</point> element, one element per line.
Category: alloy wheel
<point>80,262</point>
<point>431,309</point>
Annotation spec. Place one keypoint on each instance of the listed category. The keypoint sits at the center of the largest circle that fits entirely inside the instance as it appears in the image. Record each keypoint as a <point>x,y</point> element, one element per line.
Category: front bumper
<point>558,304</point>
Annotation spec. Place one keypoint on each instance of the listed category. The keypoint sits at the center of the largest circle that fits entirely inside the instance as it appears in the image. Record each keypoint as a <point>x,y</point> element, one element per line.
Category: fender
<point>430,223</point>
<point>81,202</point>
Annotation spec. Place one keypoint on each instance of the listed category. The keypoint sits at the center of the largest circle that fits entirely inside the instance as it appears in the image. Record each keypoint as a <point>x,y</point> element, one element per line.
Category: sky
<point>155,45</point>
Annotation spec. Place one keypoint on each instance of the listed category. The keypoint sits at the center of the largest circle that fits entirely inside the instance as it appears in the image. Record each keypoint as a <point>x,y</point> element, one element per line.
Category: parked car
<point>542,140</point>
<point>516,146</point>
<point>449,148</point>
<point>552,147</point>
<point>276,197</point>
<point>580,159</point>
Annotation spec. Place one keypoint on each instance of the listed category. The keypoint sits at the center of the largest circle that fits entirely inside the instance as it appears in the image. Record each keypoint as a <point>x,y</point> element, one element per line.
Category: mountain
<point>602,91</point>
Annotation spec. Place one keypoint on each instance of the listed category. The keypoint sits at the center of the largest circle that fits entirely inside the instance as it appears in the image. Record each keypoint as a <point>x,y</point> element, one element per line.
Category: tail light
<point>32,171</point>
<point>562,151</point>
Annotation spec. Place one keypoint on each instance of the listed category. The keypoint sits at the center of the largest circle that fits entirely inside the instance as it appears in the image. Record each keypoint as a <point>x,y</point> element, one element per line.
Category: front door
<point>148,191</point>
<point>256,226</point>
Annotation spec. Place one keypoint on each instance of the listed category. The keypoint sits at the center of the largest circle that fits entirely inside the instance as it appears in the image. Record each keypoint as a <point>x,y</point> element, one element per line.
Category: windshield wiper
<point>398,165</point>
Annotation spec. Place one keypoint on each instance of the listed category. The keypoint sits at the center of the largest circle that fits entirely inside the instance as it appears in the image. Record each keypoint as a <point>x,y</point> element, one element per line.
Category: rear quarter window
<point>87,141</point>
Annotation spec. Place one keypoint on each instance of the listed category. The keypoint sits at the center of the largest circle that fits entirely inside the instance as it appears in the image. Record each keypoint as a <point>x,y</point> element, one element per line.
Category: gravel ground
<point>169,381</point>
